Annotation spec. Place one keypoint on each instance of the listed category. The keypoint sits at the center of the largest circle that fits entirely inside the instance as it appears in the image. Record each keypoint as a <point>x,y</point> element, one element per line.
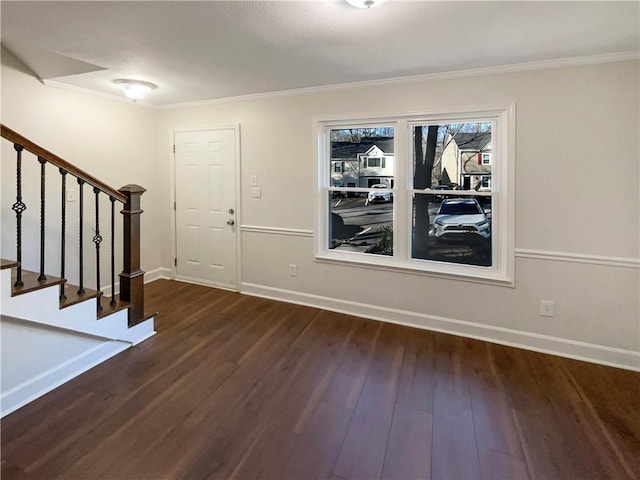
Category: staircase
<point>54,326</point>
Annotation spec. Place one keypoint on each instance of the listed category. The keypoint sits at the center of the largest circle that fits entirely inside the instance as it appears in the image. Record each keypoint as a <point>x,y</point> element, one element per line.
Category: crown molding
<point>474,72</point>
<point>96,93</point>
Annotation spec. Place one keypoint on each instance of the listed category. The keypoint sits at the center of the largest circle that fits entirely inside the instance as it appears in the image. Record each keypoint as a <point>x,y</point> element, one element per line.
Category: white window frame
<point>503,182</point>
<point>487,157</point>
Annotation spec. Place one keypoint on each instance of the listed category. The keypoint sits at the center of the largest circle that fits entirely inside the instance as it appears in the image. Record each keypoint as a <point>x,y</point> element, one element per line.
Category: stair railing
<point>131,277</point>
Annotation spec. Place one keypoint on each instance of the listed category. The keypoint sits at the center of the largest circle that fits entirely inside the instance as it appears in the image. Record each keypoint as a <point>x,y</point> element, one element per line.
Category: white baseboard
<point>157,274</point>
<point>45,382</point>
<point>140,332</point>
<point>150,276</point>
<point>195,281</point>
<point>614,357</point>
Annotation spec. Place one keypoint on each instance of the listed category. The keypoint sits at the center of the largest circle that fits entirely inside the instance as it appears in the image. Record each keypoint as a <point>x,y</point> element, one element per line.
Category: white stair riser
<point>42,306</point>
<point>139,332</point>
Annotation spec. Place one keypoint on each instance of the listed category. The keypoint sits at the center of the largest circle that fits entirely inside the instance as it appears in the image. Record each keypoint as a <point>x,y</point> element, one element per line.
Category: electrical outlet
<point>256,192</point>
<point>293,270</point>
<point>71,195</point>
<point>546,308</point>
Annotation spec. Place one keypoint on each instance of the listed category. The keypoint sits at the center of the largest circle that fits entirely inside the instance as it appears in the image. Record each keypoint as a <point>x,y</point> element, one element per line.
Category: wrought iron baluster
<point>42,277</point>
<point>19,207</point>
<point>81,252</point>
<point>97,239</point>
<point>113,256</point>
<point>63,224</point>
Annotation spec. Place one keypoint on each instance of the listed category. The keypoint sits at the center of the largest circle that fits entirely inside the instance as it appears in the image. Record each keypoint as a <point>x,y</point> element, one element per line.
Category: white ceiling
<point>206,50</point>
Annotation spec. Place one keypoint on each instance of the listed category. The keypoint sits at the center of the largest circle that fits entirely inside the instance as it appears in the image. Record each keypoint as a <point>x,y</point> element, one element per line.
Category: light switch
<point>256,192</point>
<point>71,195</point>
<point>254,180</point>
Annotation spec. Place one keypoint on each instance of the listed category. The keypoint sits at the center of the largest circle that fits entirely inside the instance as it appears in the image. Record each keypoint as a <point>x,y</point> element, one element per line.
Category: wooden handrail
<point>37,150</point>
<point>132,277</point>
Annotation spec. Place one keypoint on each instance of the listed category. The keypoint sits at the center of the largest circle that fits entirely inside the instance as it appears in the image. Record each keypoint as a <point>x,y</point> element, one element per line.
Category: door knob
<point>231,222</point>
<point>232,211</point>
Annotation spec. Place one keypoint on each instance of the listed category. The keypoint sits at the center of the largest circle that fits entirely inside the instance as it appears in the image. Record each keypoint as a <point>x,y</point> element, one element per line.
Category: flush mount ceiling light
<point>365,3</point>
<point>134,89</point>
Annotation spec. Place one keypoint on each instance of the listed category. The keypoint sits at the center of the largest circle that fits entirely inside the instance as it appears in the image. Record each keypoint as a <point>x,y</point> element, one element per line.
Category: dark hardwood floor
<point>241,387</point>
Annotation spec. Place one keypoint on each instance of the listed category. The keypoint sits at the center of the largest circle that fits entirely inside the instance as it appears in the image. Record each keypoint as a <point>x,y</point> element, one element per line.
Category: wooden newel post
<point>132,278</point>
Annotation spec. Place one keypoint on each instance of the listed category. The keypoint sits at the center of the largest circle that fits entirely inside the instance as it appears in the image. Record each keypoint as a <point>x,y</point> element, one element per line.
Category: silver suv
<point>377,196</point>
<point>461,218</point>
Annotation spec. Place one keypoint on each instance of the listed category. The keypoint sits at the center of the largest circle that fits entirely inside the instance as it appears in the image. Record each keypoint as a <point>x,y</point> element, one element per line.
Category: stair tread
<point>6,263</point>
<point>31,283</point>
<point>108,309</point>
<point>73,297</point>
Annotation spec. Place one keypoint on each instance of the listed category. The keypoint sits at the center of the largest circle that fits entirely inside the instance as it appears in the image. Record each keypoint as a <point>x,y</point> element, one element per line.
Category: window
<point>337,167</point>
<point>486,159</point>
<point>433,211</point>
<point>374,162</point>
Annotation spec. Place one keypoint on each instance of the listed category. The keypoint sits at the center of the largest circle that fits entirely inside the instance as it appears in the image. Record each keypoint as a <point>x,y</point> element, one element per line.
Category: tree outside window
<point>432,209</point>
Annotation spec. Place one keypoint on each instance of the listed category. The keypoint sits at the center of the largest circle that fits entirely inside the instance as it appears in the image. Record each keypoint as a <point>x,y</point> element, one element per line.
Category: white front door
<point>205,194</point>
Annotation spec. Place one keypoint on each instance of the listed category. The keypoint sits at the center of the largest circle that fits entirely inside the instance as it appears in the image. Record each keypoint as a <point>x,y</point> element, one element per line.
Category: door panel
<point>205,192</point>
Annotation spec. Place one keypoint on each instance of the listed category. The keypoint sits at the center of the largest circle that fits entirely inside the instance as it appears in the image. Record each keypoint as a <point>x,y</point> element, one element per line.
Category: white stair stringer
<point>44,346</point>
<point>42,306</point>
<point>36,358</point>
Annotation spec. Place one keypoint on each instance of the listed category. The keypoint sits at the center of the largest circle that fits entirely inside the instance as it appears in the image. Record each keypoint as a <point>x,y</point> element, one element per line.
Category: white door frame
<point>172,188</point>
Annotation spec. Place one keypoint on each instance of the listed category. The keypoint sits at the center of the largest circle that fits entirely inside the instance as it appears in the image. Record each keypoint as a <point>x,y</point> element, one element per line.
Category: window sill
<point>434,269</point>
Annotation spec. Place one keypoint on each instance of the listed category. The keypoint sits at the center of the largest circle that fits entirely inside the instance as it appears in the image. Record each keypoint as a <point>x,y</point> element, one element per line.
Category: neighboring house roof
<point>352,149</point>
<point>472,141</point>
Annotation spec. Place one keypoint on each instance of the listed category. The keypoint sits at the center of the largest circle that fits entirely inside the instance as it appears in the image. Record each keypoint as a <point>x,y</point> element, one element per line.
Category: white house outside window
<point>412,211</point>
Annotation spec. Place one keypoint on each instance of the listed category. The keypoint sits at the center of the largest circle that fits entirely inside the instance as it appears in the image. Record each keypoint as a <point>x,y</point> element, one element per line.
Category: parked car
<point>438,197</point>
<point>379,197</point>
<point>461,218</point>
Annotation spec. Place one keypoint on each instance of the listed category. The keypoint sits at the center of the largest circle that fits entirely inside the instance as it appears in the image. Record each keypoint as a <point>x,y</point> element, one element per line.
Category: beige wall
<point>114,141</point>
<point>570,204</point>
<point>570,123</point>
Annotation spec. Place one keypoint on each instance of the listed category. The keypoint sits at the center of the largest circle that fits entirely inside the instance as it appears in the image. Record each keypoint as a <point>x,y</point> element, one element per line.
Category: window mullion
<point>469,239</point>
<point>401,214</point>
